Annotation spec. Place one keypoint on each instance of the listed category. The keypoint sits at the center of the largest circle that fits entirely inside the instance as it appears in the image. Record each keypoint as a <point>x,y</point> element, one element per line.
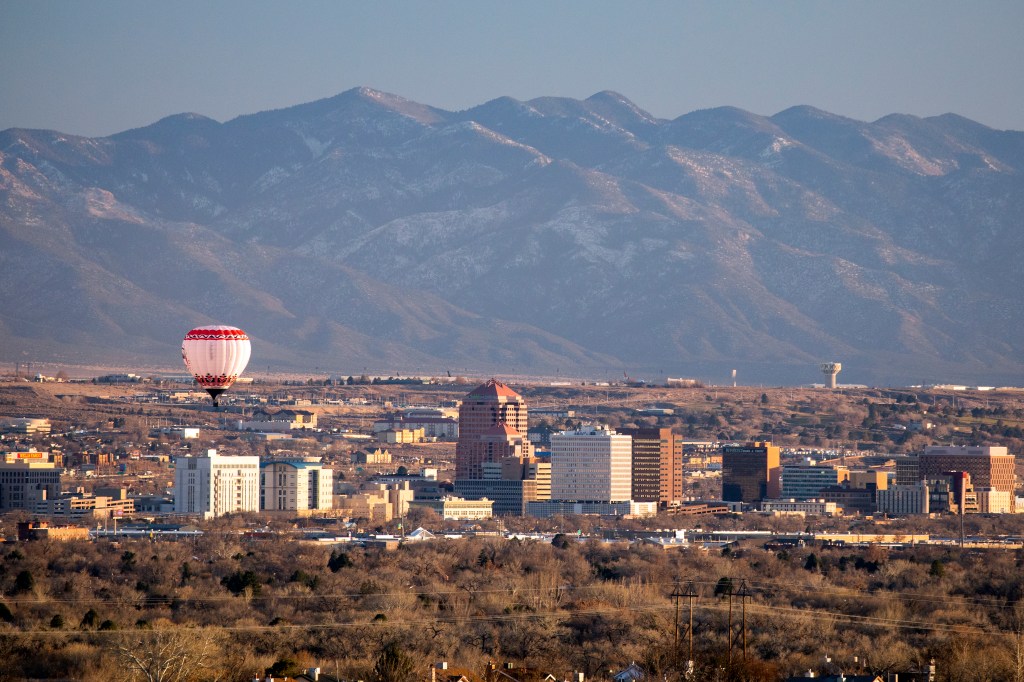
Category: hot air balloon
<point>215,355</point>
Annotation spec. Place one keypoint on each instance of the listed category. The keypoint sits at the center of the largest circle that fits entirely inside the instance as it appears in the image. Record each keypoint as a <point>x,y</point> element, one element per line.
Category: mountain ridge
<point>605,237</point>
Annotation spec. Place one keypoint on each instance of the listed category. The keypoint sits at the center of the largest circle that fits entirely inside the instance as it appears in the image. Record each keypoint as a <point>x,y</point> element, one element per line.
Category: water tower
<point>830,370</point>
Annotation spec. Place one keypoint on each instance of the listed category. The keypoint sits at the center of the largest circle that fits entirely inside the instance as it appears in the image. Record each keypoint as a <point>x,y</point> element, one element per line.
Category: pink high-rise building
<point>492,428</point>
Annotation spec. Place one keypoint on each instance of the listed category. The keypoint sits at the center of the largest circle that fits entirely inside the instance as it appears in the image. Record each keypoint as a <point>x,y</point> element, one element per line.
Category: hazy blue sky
<point>103,66</point>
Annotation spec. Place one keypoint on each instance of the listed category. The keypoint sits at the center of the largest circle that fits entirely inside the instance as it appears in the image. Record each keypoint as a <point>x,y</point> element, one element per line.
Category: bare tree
<point>1016,637</point>
<point>166,655</point>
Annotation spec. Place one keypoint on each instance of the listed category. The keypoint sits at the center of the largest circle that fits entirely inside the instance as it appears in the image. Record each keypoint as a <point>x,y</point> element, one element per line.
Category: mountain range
<point>367,232</point>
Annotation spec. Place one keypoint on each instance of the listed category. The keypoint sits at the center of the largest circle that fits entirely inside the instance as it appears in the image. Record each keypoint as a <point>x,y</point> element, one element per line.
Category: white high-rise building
<point>214,485</point>
<point>295,486</point>
<point>593,463</point>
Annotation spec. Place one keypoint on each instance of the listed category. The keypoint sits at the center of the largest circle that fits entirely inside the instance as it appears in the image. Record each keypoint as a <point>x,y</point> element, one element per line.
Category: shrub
<point>89,619</point>
<point>338,561</point>
<point>239,580</point>
<point>24,582</point>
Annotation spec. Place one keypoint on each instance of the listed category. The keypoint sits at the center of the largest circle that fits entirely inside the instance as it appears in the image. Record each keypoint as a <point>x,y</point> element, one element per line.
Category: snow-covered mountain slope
<point>366,230</point>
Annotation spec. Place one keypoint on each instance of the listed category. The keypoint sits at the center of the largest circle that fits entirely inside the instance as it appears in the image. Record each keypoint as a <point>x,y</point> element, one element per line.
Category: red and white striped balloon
<point>215,355</point>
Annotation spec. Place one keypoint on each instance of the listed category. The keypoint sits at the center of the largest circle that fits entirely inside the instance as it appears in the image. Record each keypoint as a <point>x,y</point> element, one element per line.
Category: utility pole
<point>730,629</point>
<point>743,600</point>
<point>690,594</point>
<point>676,595</point>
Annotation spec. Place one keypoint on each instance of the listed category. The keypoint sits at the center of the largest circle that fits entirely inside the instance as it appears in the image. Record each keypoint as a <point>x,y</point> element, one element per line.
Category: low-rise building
<point>179,432</point>
<point>378,502</point>
<point>444,428</point>
<point>872,538</point>
<point>420,411</point>
<point>25,425</point>
<point>425,485</point>
<point>698,508</point>
<point>551,508</point>
<point>279,421</point>
<point>459,509</point>
<point>154,504</point>
<point>375,456</point>
<point>102,503</point>
<point>814,507</point>
<point>42,530</point>
<point>393,436</point>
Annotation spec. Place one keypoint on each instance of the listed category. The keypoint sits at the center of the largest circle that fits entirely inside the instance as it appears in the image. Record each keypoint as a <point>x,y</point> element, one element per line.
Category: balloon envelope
<point>215,355</point>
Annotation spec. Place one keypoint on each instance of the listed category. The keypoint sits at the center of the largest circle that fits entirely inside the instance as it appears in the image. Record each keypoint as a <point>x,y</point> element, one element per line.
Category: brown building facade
<point>988,466</point>
<point>657,471</point>
<point>751,472</point>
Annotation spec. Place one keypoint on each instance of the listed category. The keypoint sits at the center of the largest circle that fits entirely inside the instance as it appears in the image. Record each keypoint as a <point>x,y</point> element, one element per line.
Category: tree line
<point>228,607</point>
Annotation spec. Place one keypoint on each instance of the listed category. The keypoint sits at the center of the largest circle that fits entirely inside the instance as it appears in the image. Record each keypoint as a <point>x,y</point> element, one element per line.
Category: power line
<point>832,592</point>
<point>812,614</point>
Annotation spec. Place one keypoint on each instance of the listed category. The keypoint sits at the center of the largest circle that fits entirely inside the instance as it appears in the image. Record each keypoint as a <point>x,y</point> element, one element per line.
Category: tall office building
<point>750,472</point>
<point>988,466</point>
<point>492,427</point>
<point>295,486</point>
<point>805,482</point>
<point>214,485</point>
<point>655,465</point>
<point>591,464</point>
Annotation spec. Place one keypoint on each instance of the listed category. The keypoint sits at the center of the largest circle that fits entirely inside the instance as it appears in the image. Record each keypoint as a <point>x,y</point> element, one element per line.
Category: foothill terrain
<point>383,585</point>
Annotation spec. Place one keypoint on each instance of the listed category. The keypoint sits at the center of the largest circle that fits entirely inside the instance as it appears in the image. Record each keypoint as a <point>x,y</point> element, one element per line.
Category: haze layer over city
<point>511,342</point>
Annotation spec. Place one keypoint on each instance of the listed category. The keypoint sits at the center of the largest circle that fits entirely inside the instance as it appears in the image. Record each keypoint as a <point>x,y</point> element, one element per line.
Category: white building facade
<point>992,501</point>
<point>903,500</point>
<point>296,486</point>
<point>214,485</point>
<point>593,463</point>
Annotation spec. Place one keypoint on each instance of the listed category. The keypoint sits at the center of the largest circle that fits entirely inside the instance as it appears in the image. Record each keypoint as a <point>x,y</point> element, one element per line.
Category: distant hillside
<point>554,235</point>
